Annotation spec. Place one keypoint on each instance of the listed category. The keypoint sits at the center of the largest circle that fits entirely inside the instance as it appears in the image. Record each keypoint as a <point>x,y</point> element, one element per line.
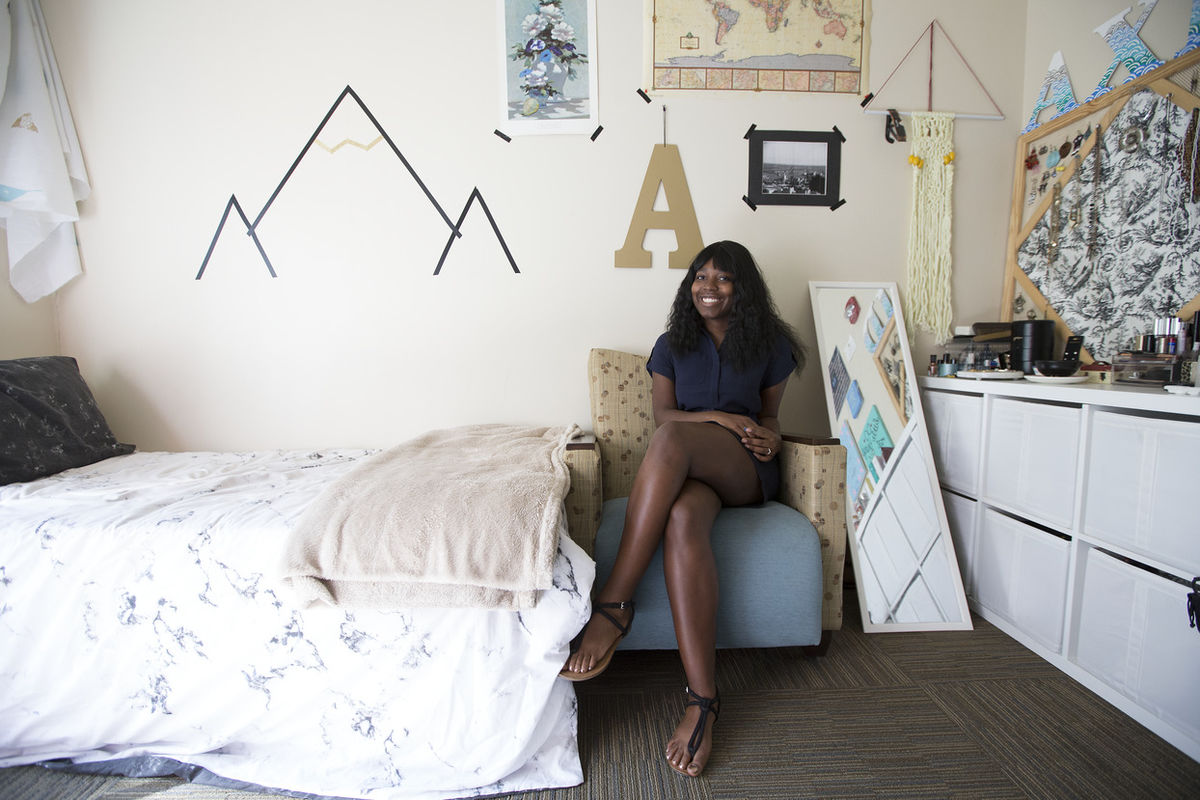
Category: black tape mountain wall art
<point>454,228</point>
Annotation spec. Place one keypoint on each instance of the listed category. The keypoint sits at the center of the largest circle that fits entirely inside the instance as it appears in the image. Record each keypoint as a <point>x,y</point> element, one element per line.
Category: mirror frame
<point>1024,219</point>
<point>871,394</point>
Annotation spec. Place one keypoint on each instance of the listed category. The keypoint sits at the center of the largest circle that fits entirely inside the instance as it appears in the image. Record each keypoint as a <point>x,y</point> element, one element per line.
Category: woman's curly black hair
<point>754,323</point>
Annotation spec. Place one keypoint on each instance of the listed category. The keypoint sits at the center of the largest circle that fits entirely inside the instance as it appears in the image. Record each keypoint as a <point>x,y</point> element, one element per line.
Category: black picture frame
<point>795,168</point>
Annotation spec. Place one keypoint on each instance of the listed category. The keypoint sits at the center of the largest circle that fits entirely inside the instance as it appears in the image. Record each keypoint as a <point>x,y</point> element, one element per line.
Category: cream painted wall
<point>26,329</point>
<point>356,342</point>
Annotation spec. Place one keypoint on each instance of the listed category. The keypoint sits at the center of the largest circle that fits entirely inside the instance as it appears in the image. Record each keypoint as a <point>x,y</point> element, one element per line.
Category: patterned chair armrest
<point>813,481</point>
<point>585,496</point>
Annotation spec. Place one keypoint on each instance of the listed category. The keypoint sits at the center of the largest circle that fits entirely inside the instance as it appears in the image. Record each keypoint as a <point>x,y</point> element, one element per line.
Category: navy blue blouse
<point>703,382</point>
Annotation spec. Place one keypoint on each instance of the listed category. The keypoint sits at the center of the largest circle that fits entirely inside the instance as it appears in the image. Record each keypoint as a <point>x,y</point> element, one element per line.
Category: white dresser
<point>1075,511</point>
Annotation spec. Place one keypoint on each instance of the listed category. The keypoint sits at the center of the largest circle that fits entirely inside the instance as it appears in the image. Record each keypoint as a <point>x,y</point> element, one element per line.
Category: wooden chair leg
<point>819,649</point>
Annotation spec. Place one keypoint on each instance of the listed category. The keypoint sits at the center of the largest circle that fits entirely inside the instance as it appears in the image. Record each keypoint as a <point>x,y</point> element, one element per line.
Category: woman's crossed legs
<point>689,472</point>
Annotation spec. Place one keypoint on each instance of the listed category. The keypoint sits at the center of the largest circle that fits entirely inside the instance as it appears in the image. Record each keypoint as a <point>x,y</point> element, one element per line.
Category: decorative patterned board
<point>1125,237</point>
<point>1140,231</point>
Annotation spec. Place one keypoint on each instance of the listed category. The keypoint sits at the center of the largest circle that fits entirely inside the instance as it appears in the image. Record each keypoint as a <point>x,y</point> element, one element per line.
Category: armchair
<point>780,566</point>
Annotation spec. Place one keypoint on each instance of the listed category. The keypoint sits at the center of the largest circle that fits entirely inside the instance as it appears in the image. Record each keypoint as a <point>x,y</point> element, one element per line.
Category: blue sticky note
<point>856,472</point>
<point>855,398</point>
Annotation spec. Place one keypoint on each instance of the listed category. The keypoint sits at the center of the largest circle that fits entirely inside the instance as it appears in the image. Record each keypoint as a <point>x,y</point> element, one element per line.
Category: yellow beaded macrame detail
<point>929,301</point>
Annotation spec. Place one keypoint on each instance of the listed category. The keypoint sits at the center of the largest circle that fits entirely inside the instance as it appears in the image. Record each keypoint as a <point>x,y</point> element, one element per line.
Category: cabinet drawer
<point>1021,574</point>
<point>955,421</point>
<point>1140,488</point>
<point>1134,635</point>
<point>960,514</point>
<point>1033,451</point>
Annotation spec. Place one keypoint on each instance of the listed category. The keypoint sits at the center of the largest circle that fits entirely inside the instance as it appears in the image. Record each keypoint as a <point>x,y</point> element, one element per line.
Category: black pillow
<point>49,420</point>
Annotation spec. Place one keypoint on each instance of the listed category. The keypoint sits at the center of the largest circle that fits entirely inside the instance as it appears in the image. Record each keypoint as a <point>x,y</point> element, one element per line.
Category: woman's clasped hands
<point>762,442</point>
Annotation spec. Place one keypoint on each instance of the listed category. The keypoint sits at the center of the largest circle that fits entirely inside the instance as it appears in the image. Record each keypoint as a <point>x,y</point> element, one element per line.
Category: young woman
<point>719,373</point>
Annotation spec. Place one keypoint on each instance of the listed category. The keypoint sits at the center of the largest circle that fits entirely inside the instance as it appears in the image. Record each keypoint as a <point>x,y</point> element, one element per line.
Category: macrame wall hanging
<point>928,263</point>
<point>931,135</point>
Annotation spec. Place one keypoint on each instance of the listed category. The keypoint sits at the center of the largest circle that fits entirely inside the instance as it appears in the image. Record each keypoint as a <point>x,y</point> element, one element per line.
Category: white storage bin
<point>1021,574</point>
<point>954,422</point>
<point>1140,487</point>
<point>1134,635</point>
<point>1033,451</point>
<point>960,514</point>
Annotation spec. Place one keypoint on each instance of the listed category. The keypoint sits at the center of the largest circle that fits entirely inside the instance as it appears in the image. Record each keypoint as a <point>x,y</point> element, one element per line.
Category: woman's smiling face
<point>712,292</point>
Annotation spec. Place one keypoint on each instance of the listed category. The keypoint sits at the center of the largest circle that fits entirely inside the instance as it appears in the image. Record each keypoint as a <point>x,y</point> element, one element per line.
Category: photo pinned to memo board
<point>549,73</point>
<point>889,358</point>
<point>901,546</point>
<point>795,168</point>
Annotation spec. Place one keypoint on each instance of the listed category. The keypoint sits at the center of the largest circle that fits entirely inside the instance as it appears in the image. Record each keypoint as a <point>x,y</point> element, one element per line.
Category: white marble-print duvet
<point>140,614</point>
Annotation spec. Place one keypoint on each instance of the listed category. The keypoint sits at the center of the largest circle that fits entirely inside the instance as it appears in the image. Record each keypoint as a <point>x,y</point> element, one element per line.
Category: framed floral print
<point>549,70</point>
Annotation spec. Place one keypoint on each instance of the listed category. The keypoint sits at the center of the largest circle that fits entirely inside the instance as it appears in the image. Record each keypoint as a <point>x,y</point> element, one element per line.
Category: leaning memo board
<point>904,562</point>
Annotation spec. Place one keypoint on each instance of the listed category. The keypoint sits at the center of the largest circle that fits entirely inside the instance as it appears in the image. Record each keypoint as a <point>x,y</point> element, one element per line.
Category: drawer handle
<point>1193,604</point>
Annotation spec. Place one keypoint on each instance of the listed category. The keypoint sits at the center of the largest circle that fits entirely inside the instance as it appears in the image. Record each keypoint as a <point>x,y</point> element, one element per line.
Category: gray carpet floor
<point>964,714</point>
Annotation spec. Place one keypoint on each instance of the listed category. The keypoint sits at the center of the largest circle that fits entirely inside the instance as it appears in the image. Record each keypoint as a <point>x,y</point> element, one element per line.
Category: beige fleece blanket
<point>463,517</point>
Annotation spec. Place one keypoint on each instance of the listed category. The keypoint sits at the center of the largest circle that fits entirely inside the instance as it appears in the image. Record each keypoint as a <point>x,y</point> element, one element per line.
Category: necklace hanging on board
<point>1187,160</point>
<point>1164,214</point>
<point>1138,131</point>
<point>1076,213</point>
<point>1055,220</point>
<point>1097,194</point>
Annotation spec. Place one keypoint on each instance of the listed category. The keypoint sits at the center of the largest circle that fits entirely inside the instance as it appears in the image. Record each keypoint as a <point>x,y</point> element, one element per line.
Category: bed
<point>144,629</point>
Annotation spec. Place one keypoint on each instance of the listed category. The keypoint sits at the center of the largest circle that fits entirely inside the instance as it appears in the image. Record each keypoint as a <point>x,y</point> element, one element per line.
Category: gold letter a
<point>665,168</point>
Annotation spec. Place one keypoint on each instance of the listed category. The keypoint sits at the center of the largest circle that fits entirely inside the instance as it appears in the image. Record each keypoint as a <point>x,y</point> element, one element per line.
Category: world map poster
<point>758,45</point>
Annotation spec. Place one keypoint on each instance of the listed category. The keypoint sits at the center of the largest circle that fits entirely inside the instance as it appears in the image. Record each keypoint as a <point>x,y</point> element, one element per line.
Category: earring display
<point>1119,222</point>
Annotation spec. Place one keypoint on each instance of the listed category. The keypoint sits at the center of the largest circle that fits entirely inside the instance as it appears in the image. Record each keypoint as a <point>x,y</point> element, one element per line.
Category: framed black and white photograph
<point>795,168</point>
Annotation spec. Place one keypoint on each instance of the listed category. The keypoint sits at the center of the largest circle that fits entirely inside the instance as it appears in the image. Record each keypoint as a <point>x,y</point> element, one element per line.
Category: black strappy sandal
<point>602,664</point>
<point>707,705</point>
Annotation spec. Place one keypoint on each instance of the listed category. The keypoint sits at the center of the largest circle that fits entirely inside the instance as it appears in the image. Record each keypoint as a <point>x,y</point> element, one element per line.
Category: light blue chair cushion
<point>769,568</point>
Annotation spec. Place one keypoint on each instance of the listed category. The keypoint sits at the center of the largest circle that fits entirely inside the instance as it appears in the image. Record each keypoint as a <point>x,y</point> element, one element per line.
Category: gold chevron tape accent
<point>344,142</point>
<point>25,121</point>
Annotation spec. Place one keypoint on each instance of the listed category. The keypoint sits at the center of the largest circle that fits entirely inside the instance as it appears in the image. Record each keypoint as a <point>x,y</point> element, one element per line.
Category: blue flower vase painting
<point>549,74</point>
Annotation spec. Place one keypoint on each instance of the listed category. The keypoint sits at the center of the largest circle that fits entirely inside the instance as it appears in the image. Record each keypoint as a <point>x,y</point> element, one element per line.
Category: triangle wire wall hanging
<point>928,32</point>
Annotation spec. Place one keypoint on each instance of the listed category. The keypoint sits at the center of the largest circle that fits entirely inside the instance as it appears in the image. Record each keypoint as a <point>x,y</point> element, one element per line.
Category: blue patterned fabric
<point>49,420</point>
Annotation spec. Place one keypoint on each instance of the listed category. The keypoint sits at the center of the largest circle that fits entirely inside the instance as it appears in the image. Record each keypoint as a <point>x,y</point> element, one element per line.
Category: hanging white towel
<point>42,176</point>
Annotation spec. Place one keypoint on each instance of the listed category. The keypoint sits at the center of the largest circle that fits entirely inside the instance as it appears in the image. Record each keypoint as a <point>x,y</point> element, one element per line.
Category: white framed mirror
<point>900,544</point>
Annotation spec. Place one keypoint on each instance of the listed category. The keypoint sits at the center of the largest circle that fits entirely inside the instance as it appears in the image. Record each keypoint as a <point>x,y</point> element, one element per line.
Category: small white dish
<point>1057,379</point>
<point>1191,391</point>
<point>991,374</point>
